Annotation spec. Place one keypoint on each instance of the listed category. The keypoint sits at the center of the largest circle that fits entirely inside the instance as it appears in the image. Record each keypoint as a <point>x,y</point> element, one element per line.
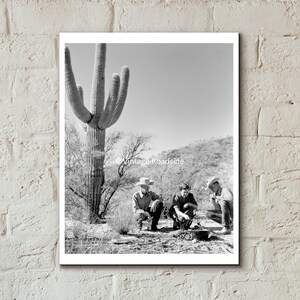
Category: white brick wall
<point>3,13</point>
<point>163,17</point>
<point>286,49</point>
<point>257,17</point>
<point>270,150</point>
<point>283,120</point>
<point>51,18</point>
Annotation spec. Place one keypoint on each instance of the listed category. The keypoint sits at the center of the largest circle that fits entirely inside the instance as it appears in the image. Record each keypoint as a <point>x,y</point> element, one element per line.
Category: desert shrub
<point>75,229</point>
<point>76,208</point>
<point>121,219</point>
<point>204,205</point>
<point>89,245</point>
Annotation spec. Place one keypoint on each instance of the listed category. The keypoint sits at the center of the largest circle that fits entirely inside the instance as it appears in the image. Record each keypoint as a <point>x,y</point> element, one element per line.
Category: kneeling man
<point>146,204</point>
<point>222,199</point>
<point>183,208</point>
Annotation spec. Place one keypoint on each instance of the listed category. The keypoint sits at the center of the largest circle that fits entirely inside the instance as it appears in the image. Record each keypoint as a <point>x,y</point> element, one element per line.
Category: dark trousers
<point>140,217</point>
<point>223,213</point>
<point>190,211</point>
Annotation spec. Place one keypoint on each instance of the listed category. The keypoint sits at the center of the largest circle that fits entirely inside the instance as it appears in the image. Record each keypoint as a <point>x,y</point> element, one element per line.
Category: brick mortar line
<point>113,18</point>
<point>7,21</point>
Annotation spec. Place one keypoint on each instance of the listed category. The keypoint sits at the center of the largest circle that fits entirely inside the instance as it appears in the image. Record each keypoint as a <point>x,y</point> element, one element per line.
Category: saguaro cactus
<point>100,117</point>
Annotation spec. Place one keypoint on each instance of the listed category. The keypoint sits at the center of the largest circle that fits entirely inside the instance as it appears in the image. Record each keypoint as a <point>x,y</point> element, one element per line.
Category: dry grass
<point>89,245</point>
<point>121,219</point>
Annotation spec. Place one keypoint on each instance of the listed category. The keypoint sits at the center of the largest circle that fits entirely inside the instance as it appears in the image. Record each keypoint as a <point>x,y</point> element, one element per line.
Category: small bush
<point>121,219</point>
<point>75,229</point>
<point>89,245</point>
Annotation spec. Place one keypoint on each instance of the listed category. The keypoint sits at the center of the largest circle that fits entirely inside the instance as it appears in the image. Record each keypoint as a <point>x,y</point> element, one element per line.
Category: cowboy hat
<point>210,181</point>
<point>145,181</point>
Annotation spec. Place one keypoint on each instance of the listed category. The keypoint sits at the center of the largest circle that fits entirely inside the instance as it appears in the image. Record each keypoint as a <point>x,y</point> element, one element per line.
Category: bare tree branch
<point>119,176</point>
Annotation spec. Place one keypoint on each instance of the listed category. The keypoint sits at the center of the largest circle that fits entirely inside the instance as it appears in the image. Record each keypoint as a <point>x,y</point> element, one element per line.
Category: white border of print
<point>151,259</point>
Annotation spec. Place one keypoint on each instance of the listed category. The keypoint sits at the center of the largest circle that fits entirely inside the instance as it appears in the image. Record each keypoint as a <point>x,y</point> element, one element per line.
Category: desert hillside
<point>198,161</point>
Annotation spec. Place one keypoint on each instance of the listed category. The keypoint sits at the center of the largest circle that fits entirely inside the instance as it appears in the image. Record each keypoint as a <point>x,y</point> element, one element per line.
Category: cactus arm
<point>80,92</point>
<point>111,102</point>
<point>72,94</point>
<point>98,91</point>
<point>122,96</point>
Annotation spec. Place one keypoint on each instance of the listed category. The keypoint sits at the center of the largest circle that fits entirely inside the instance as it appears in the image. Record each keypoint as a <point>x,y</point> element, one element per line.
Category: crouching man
<point>222,199</point>
<point>183,208</point>
<point>146,204</point>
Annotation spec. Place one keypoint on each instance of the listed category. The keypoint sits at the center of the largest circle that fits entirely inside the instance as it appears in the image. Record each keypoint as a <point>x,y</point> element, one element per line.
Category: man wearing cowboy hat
<point>146,204</point>
<point>222,199</point>
<point>183,208</point>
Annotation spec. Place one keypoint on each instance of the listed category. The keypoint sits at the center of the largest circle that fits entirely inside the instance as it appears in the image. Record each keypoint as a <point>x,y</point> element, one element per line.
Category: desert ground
<point>100,238</point>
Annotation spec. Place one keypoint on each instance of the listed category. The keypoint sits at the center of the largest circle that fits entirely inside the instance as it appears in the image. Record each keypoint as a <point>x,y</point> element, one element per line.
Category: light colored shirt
<point>224,193</point>
<point>143,202</point>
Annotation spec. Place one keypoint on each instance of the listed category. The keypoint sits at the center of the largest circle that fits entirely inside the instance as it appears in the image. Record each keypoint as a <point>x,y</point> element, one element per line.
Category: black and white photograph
<point>149,149</point>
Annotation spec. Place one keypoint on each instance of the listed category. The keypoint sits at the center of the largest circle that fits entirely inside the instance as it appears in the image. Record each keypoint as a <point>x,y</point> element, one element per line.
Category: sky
<point>178,93</point>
